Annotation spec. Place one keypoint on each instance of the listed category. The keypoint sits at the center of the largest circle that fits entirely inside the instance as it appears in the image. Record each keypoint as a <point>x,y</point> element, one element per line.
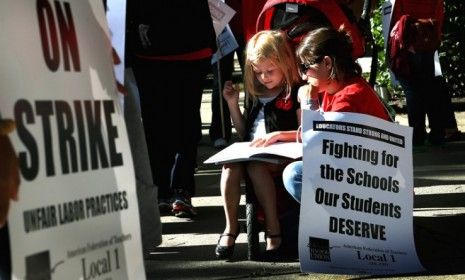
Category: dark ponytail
<point>337,44</point>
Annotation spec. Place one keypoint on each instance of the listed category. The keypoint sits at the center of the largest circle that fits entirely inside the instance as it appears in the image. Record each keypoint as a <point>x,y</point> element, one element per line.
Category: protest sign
<point>116,17</point>
<point>357,196</point>
<point>221,14</point>
<point>226,43</point>
<point>77,214</point>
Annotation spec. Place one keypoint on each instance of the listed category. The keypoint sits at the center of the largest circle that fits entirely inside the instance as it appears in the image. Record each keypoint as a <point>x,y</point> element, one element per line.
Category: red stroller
<point>296,18</point>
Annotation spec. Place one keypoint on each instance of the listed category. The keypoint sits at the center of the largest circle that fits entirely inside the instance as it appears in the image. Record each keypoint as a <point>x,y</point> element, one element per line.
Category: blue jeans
<point>423,99</point>
<point>292,179</point>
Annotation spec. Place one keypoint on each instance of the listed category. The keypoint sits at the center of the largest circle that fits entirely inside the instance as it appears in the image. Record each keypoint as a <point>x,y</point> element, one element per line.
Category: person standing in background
<point>175,45</point>
<point>414,68</point>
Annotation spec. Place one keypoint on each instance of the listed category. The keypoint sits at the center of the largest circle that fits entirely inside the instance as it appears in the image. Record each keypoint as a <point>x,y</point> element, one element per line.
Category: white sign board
<point>116,15</point>
<point>226,43</point>
<point>77,215</point>
<point>221,14</point>
<point>357,196</point>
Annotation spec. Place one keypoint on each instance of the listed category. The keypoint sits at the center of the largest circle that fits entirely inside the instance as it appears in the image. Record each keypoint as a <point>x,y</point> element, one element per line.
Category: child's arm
<point>231,95</point>
<point>308,96</point>
<point>308,99</point>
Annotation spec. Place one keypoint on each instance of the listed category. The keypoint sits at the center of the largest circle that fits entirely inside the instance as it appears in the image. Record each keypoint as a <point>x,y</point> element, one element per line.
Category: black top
<point>277,116</point>
<point>176,27</point>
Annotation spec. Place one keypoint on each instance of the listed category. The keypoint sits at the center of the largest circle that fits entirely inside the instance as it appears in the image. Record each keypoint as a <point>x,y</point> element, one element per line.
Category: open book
<point>241,151</point>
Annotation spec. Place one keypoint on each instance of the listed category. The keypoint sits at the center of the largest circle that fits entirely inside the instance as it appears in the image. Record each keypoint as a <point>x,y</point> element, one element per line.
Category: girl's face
<point>268,74</point>
<point>317,73</point>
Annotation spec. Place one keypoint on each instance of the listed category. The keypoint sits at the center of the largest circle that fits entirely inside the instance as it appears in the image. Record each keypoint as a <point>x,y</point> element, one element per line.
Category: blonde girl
<point>271,80</point>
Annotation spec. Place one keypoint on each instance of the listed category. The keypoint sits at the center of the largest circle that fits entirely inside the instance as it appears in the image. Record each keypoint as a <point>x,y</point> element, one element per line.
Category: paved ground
<point>187,251</point>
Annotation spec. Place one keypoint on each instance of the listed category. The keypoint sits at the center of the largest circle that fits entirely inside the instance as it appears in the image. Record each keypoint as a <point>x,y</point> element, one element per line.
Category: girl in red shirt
<point>334,81</point>
<point>333,75</point>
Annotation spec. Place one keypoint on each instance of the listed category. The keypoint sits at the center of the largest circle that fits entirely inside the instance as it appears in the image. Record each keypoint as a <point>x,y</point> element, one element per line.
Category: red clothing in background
<point>236,22</point>
<point>356,97</point>
<point>419,9</point>
<point>250,11</point>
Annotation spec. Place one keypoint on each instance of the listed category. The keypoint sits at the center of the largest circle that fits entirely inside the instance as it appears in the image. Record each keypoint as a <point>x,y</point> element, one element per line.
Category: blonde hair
<point>272,45</point>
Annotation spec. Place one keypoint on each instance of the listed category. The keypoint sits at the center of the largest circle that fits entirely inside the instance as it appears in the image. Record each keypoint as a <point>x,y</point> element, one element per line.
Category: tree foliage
<point>452,50</point>
<point>383,77</point>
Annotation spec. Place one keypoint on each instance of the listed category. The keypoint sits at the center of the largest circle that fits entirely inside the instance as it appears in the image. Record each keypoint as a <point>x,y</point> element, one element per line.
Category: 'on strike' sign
<point>77,215</point>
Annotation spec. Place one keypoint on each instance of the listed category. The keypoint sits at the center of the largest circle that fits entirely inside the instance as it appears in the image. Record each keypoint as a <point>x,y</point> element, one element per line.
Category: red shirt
<point>356,97</point>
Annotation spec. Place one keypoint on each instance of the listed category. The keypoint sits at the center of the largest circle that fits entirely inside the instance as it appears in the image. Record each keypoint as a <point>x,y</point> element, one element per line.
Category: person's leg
<point>220,126</point>
<point>432,99</point>
<point>157,110</point>
<point>447,115</point>
<point>292,179</point>
<point>415,100</point>
<point>265,191</point>
<point>230,185</point>
<point>240,51</point>
<point>442,88</point>
<point>187,132</point>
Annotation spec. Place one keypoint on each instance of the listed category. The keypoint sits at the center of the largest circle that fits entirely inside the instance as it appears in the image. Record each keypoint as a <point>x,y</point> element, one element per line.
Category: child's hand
<point>266,140</point>
<point>231,93</point>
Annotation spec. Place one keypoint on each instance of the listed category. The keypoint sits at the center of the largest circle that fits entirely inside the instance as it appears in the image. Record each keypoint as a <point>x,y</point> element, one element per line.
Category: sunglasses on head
<point>303,67</point>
